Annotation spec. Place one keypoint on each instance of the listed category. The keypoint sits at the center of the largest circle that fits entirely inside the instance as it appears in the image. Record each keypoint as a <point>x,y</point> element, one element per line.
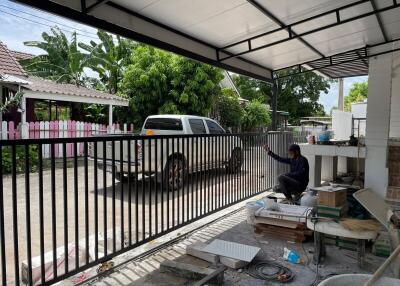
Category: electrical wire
<point>47,25</point>
<point>48,20</point>
<point>269,271</point>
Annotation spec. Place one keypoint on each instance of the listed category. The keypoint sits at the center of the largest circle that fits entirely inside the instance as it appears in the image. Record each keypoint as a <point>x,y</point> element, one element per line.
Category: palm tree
<point>62,62</point>
<point>109,58</point>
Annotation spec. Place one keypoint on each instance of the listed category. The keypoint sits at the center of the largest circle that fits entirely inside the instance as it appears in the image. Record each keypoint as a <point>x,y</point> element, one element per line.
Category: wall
<point>383,89</point>
<point>395,100</point>
<point>341,124</point>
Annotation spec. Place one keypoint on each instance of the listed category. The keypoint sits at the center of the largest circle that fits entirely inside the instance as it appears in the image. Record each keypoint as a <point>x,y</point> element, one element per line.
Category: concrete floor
<point>234,228</point>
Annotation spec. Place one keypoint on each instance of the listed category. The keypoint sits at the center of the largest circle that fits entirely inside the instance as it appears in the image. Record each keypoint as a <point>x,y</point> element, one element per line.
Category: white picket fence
<point>58,129</point>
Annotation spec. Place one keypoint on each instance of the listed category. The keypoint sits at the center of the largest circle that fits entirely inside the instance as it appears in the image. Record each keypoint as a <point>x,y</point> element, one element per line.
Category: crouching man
<point>292,184</point>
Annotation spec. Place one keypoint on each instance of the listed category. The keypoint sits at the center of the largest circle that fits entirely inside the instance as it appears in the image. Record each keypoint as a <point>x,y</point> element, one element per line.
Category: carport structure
<point>258,38</point>
<point>269,39</point>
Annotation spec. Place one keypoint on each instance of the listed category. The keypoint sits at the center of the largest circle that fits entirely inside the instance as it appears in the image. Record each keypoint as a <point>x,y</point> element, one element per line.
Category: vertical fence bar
<point>96,200</point>
<point>53,208</point>
<point>197,175</point>
<point>41,216</point>
<point>86,170</point>
<point>178,182</point>
<point>156,185</point>
<point>121,183</point>
<point>150,186</point>
<point>15,213</point>
<point>137,160</point>
<point>188,162</point>
<point>76,207</point>
<point>173,181</point>
<point>192,176</point>
<point>28,214</point>
<point>162,183</point>
<point>2,235</point>
<point>114,235</point>
<point>65,203</point>
<point>143,190</point>
<point>166,178</point>
<point>105,196</point>
<point>129,192</point>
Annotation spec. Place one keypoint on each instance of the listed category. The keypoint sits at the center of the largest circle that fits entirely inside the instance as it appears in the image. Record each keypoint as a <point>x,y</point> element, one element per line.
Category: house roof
<point>9,64</point>
<point>21,55</point>
<point>11,72</point>
<point>40,86</point>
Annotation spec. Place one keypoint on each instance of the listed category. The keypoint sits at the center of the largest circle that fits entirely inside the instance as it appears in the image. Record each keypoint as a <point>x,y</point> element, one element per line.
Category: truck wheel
<point>235,161</point>
<point>175,173</point>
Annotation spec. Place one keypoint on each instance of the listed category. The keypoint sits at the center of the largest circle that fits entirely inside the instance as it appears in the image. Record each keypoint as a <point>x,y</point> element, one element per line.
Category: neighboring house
<point>44,100</point>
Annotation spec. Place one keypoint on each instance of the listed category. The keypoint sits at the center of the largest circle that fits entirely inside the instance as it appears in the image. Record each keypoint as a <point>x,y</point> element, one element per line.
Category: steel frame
<point>321,64</point>
<point>292,36</point>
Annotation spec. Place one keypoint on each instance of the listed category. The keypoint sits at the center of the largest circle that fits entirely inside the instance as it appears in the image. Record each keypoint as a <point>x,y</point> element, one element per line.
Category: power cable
<point>51,26</point>
<point>48,20</point>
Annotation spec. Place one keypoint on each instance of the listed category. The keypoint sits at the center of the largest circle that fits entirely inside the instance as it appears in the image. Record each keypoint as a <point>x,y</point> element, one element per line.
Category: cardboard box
<point>335,198</point>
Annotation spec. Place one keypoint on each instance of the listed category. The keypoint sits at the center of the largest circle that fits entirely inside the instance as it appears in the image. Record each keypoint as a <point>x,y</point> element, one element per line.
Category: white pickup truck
<point>171,159</point>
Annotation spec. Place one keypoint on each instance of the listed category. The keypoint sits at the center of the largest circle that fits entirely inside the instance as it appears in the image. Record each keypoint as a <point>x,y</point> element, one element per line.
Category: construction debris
<point>191,272</point>
<point>360,225</point>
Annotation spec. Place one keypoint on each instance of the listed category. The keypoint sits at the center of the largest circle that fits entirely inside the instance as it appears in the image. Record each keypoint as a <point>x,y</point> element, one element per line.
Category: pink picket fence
<point>59,129</point>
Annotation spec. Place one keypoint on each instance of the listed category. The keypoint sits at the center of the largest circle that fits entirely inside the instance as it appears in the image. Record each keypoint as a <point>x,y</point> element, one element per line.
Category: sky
<point>19,23</point>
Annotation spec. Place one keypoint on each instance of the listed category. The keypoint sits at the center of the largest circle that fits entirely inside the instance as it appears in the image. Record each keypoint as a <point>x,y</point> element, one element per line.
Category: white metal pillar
<point>378,121</point>
<point>1,102</point>
<point>24,125</point>
<point>110,119</point>
<point>341,95</point>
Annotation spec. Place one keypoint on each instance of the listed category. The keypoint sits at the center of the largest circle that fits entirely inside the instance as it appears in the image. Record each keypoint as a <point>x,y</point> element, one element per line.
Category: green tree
<point>228,108</point>
<point>109,59</point>
<point>62,62</point>
<point>358,93</point>
<point>252,89</point>
<point>256,115</point>
<point>160,82</point>
<point>297,94</point>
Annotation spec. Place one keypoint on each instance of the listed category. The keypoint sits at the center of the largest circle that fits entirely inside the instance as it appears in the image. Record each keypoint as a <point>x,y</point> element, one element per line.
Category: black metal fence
<point>60,216</point>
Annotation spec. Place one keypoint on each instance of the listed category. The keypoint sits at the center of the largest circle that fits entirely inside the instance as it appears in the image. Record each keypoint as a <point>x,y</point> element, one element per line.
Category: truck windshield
<point>163,124</point>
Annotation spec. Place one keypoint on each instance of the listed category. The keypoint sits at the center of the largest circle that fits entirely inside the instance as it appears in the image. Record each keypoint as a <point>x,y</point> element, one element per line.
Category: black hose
<point>270,271</point>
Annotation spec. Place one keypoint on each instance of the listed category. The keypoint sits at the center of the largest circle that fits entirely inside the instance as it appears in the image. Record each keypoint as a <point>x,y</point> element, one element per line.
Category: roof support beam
<point>339,59</point>
<point>292,36</point>
<point>282,25</point>
<point>378,18</point>
<point>96,5</point>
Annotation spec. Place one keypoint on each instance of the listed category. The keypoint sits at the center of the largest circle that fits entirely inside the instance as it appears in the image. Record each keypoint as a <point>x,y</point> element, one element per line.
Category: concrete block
<point>190,271</point>
<point>196,250</point>
<point>232,263</point>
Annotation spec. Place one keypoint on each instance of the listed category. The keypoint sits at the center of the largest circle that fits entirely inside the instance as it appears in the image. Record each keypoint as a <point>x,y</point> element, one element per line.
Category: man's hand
<point>266,148</point>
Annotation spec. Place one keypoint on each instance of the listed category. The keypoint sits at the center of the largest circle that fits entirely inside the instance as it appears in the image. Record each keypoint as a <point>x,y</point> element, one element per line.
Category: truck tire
<point>235,162</point>
<point>175,173</point>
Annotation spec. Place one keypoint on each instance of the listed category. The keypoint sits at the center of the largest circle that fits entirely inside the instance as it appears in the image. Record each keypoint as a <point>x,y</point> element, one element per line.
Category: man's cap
<point>294,147</point>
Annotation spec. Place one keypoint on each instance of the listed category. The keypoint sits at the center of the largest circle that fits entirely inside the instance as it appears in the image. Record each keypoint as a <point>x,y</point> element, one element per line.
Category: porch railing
<point>61,217</point>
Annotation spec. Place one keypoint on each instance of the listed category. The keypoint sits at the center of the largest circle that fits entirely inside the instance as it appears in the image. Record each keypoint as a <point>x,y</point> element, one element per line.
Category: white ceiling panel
<point>391,23</point>
<point>222,21</point>
<point>282,55</point>
<point>289,11</point>
<point>349,36</point>
<point>200,28</point>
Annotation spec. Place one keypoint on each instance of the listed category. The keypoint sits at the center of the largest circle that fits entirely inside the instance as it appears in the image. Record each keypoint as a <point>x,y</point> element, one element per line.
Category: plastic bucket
<point>357,280</point>
<point>251,208</point>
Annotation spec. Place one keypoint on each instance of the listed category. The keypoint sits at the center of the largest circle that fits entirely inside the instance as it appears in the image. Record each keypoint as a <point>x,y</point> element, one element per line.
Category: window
<point>197,126</point>
<point>214,127</point>
<point>163,124</point>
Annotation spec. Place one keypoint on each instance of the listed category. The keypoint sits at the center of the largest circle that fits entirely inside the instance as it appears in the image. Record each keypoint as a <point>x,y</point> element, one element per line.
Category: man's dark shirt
<point>298,167</point>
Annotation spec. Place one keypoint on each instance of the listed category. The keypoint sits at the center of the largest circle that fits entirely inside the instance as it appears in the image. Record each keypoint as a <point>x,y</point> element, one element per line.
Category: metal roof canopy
<point>251,37</point>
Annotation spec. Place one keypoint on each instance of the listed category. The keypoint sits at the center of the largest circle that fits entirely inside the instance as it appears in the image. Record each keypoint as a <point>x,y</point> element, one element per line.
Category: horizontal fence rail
<point>61,215</point>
